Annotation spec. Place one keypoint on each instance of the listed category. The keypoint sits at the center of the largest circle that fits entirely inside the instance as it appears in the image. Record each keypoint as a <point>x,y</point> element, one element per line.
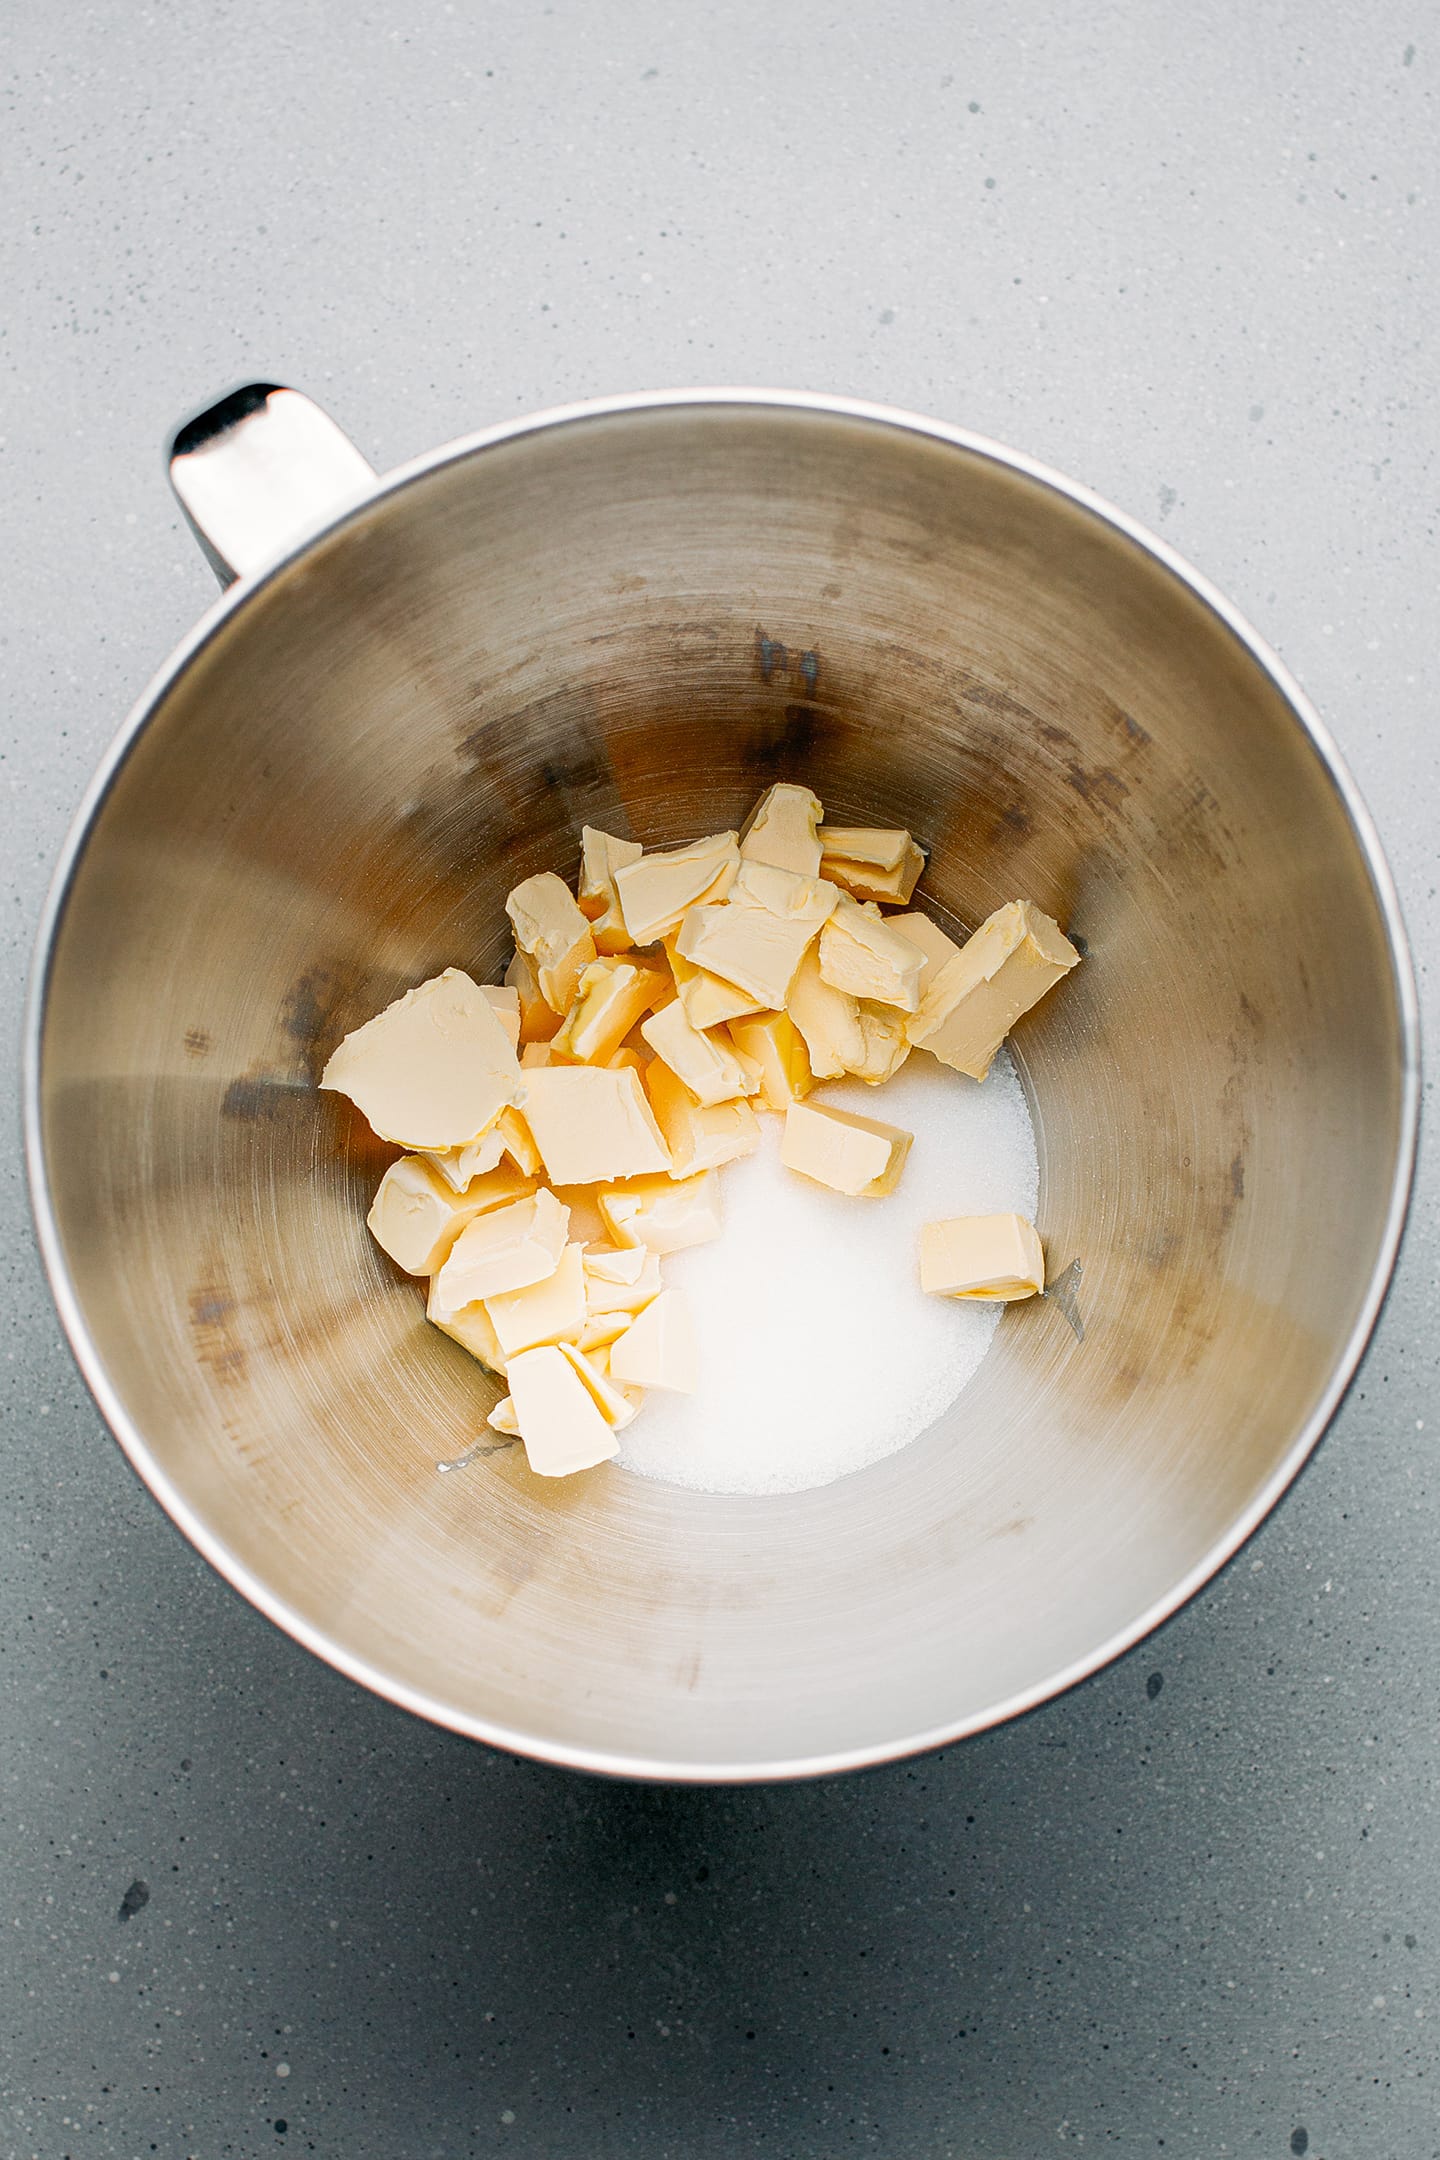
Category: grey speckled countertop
<point>1190,257</point>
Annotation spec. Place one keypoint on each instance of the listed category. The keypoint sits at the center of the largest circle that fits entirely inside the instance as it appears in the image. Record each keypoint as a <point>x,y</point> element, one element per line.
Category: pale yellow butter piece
<point>782,829</point>
<point>619,1263</point>
<point>995,1258</point>
<point>600,1329</point>
<point>471,1327</point>
<point>707,1000</point>
<point>551,929</point>
<point>973,1001</point>
<point>538,1021</point>
<point>659,1349</point>
<point>706,1063</point>
<point>417,1215</point>
<point>433,1070</point>
<point>505,1249</point>
<point>602,854</point>
<point>828,1021</point>
<point>611,996</point>
<point>867,882</point>
<point>561,1427</point>
<point>786,894</point>
<point>748,945</point>
<point>516,1140</point>
<point>616,1405</point>
<point>505,998</point>
<point>663,1214</point>
<point>592,1125</point>
<point>656,890</point>
<point>458,1166</point>
<point>612,1290</point>
<point>543,1312</point>
<point>880,847</point>
<point>863,954</point>
<point>503,1419</point>
<point>775,1046</point>
<point>882,1030</point>
<point>855,1155</point>
<point>932,941</point>
<point>700,1136</point>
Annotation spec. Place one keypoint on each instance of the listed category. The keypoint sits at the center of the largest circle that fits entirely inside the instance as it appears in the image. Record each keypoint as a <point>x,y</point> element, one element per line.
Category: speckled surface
<point>1193,1908</point>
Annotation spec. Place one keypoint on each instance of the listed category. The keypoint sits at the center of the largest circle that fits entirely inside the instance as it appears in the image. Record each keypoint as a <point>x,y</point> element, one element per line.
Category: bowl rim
<point>619,1762</point>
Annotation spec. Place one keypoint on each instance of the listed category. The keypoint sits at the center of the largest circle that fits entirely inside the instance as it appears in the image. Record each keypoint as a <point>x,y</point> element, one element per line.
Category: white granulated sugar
<point>819,1352</point>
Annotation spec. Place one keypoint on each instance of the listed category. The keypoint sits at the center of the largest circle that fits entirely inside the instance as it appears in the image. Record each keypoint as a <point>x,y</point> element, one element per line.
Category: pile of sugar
<point>819,1352</point>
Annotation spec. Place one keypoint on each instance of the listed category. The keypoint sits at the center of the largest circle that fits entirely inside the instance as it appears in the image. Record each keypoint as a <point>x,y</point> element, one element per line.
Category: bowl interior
<point>638,620</point>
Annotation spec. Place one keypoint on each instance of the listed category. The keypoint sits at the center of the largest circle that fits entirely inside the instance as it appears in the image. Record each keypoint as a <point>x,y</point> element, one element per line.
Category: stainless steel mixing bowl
<point>637,614</point>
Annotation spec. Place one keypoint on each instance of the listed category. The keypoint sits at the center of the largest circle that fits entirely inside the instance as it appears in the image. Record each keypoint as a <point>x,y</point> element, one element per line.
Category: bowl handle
<point>258,469</point>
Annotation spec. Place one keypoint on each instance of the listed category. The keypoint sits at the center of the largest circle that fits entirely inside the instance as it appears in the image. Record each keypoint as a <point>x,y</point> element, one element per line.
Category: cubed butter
<point>611,996</point>
<point>864,878</point>
<point>472,1328</point>
<point>516,1140</point>
<point>600,1329</point>
<point>986,1257</point>
<point>417,1215</point>
<point>434,1070</point>
<point>855,1155</point>
<point>458,1166</point>
<point>775,1046</point>
<point>538,1021</point>
<point>699,1136</point>
<point>602,854</point>
<point>931,940</point>
<point>544,1312</point>
<point>882,1030</point>
<point>505,1249</point>
<point>506,1000</point>
<point>863,954</point>
<point>623,1282</point>
<point>786,894</point>
<point>749,945</point>
<point>593,1125</point>
<point>828,1021</point>
<point>708,1001</point>
<point>615,1405</point>
<point>503,1419</point>
<point>656,889</point>
<point>706,1063</point>
<point>661,1213</point>
<point>659,1349</point>
<point>561,1427</point>
<point>880,847</point>
<point>974,1000</point>
<point>551,929</point>
<point>782,829</point>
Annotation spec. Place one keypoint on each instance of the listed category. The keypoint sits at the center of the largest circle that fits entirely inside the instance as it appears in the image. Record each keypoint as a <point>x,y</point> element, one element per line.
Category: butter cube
<point>663,1214</point>
<point>434,1070</point>
<point>505,999</point>
<point>503,1419</point>
<point>417,1214</point>
<point>459,1166</point>
<point>986,1257</point>
<point>707,1000</point>
<point>471,1327</point>
<point>828,1021</point>
<point>616,1405</point>
<point>599,1330</point>
<point>775,1046</point>
<point>503,1250</point>
<point>863,954</point>
<point>781,829</point>
<point>516,1140</point>
<point>602,854</point>
<point>611,996</point>
<point>785,893</point>
<point>931,940</point>
<point>593,1125</point>
<point>559,1423</point>
<point>706,1063</point>
<point>700,1136</point>
<point>863,874</point>
<point>623,1282</point>
<point>974,1000</point>
<point>659,1348</point>
<point>656,890</point>
<point>550,928</point>
<point>543,1312</point>
<point>538,1021</point>
<point>855,1155</point>
<point>887,1046</point>
<point>748,945</point>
